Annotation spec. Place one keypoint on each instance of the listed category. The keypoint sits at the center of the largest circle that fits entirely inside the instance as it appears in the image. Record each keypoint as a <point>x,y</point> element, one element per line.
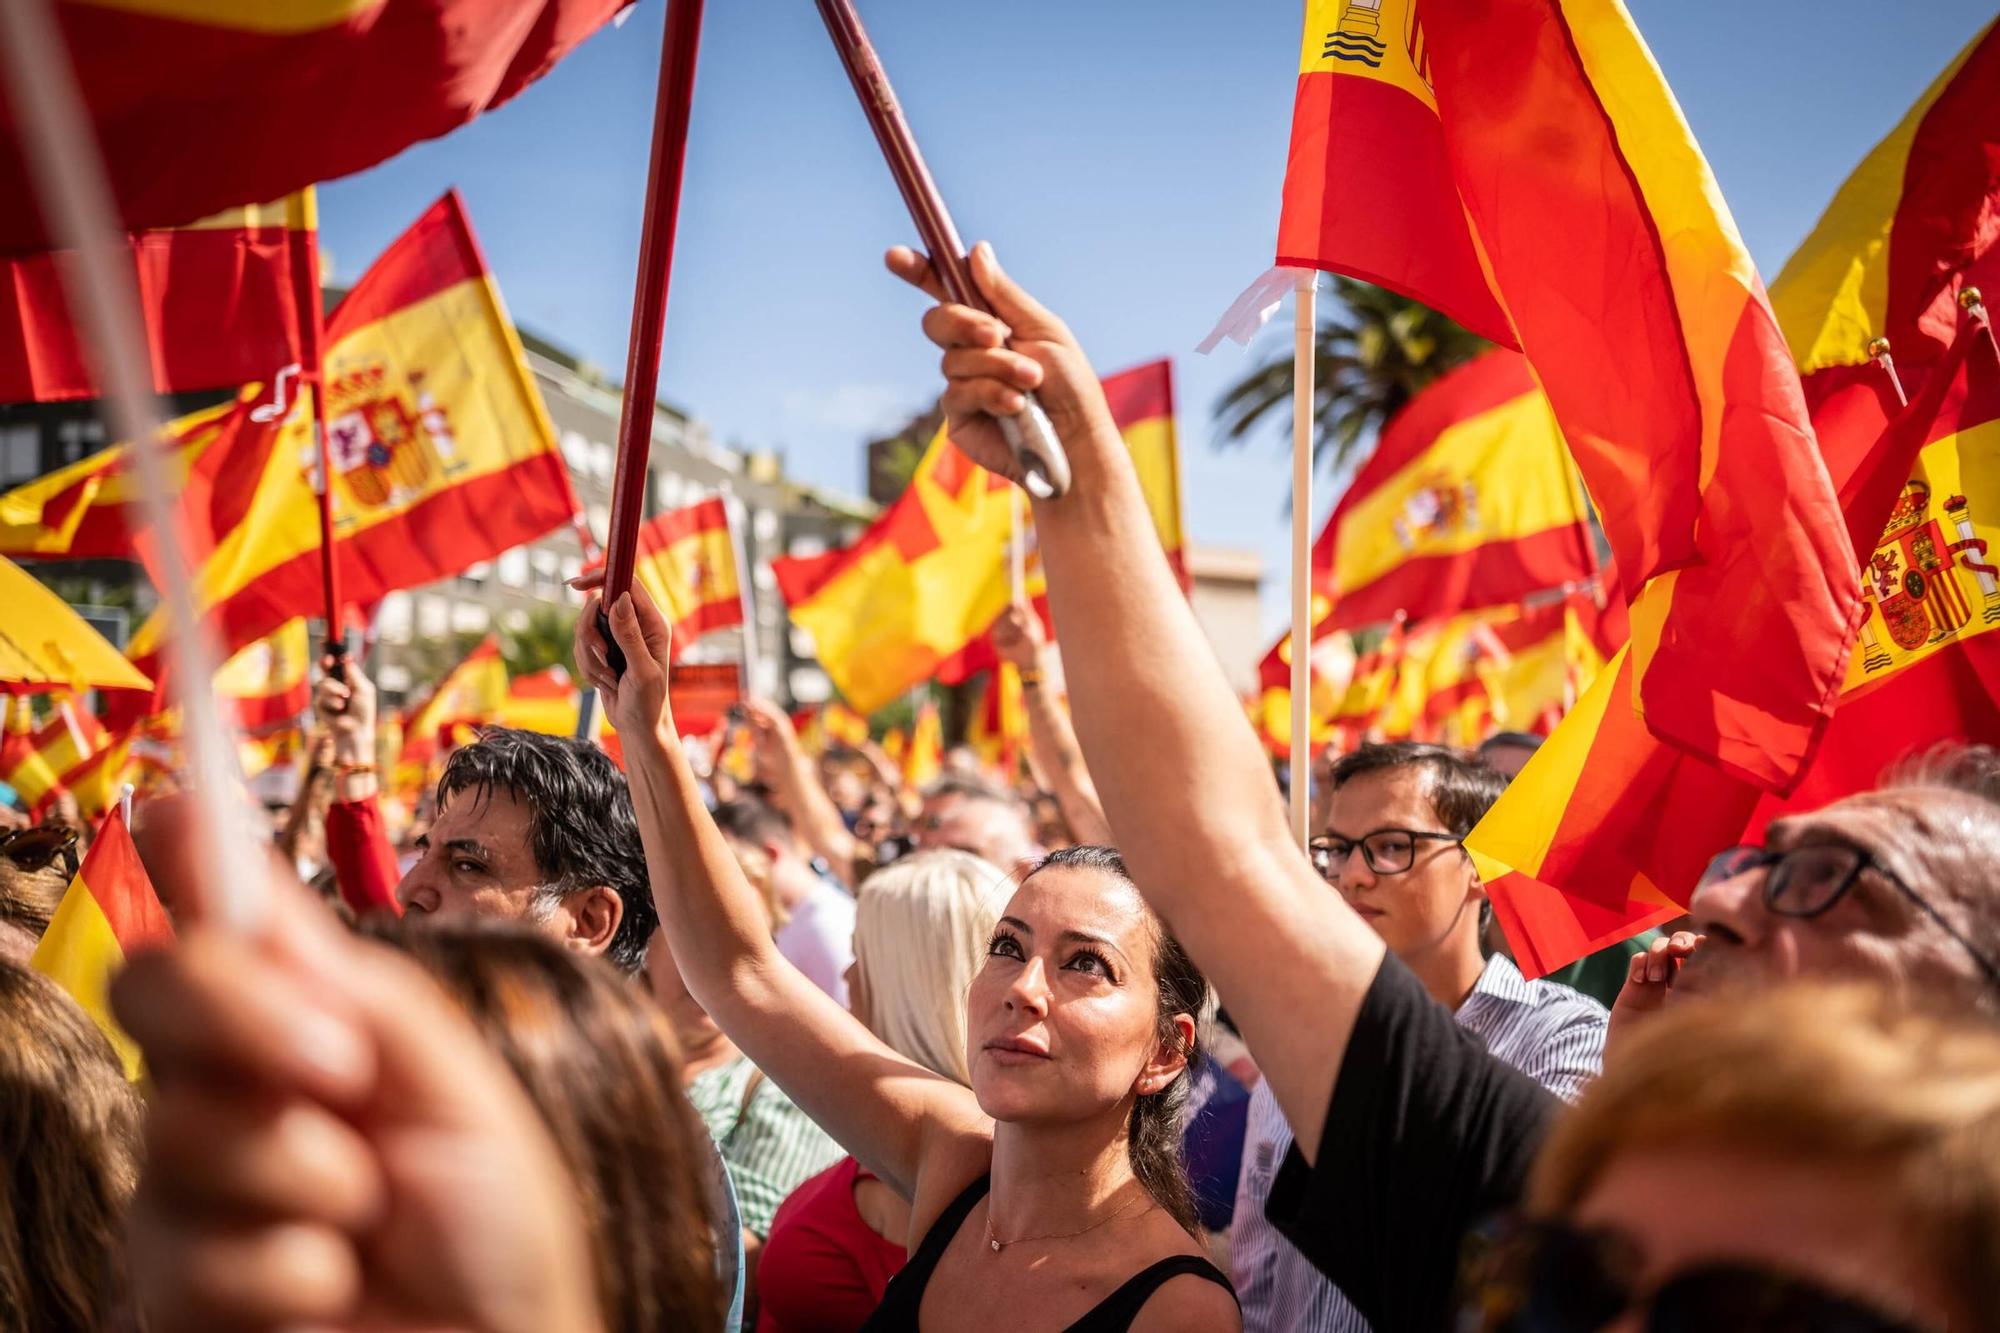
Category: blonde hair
<point>1847,1077</point>
<point>921,928</point>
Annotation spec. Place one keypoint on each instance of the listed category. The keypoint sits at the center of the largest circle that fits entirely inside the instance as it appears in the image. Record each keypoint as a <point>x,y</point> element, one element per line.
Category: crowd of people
<point>653,1048</point>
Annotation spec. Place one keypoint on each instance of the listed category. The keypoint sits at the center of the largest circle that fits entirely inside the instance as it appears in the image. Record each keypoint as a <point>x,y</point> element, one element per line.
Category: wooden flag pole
<point>672,106</point>
<point>74,195</point>
<point>1039,454</point>
<point>1304,327</point>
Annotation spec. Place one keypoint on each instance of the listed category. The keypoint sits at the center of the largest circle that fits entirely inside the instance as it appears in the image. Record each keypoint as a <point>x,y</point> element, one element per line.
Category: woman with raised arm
<point>1050,1185</point>
<point>1428,1132</point>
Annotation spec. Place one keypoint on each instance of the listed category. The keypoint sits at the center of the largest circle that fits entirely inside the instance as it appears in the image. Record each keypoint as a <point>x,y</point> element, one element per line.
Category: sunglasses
<point>33,849</point>
<point>1546,1277</point>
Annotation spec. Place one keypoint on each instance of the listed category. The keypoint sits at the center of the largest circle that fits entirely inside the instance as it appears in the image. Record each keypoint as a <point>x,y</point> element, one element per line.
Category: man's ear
<point>1169,1059</point>
<point>594,917</point>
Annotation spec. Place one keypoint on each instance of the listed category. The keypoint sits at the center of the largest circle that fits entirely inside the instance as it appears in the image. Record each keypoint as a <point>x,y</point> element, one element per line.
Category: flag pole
<point>671,109</point>
<point>305,283</point>
<point>1304,326</point>
<point>74,195</point>
<point>1036,449</point>
<point>738,517</point>
<point>1878,352</point>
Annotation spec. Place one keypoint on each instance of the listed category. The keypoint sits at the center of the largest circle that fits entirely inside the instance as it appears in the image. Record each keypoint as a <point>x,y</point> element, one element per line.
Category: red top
<point>363,862</point>
<point>823,1269</point>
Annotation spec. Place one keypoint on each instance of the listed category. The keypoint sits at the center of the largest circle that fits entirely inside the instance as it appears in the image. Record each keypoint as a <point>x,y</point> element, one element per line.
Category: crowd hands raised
<point>637,1050</point>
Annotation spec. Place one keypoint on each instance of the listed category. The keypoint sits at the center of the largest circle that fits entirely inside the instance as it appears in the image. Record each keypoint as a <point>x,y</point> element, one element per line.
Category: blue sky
<point>1124,157</point>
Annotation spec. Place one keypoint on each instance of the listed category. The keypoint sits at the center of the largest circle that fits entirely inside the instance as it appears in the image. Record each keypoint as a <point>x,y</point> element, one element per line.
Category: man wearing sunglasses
<point>1899,885</point>
<point>1392,849</point>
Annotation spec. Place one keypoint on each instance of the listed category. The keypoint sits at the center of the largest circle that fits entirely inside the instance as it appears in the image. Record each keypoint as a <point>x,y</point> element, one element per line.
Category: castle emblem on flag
<point>1921,580</point>
<point>1358,38</point>
<point>1438,509</point>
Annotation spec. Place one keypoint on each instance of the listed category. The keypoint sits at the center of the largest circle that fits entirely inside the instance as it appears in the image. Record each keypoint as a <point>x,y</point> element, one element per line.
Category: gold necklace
<point>999,1244</point>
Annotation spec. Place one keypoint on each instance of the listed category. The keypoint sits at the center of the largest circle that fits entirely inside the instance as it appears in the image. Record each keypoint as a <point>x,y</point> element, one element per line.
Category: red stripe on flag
<point>1141,393</point>
<point>708,516</point>
<point>437,253</point>
<point>1389,216</point>
<point>1485,576</point>
<point>118,882</point>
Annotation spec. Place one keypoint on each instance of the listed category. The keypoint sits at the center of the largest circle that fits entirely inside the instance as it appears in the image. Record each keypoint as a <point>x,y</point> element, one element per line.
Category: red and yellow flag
<point>109,911</point>
<point>687,561</point>
<point>443,454</point>
<point>1913,225</point>
<point>44,645</point>
<point>544,701</point>
<point>923,757</point>
<point>913,599</point>
<point>268,681</point>
<point>69,752</point>
<point>475,690</point>
<point>1468,501</point>
<point>1369,190</point>
<point>220,298</point>
<point>199,105</point>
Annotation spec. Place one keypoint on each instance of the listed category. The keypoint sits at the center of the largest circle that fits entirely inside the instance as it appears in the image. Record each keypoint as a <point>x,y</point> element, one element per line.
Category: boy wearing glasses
<point>1391,848</point>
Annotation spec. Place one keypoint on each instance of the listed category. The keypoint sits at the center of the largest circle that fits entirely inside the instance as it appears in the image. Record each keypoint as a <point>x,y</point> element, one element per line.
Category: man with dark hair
<point>1392,848</point>
<point>1508,752</point>
<point>973,816</point>
<point>813,922</point>
<point>530,828</point>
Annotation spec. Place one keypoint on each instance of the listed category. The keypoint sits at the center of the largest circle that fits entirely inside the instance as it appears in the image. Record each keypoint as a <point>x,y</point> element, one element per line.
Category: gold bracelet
<point>1030,679</point>
<point>355,770</point>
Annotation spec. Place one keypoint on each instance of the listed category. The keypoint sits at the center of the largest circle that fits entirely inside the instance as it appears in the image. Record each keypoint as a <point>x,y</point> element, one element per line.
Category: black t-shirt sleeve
<point>1427,1134</point>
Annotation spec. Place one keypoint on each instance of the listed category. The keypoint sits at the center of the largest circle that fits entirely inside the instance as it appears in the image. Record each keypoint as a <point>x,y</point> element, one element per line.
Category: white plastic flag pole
<point>74,196</point>
<point>1303,329</point>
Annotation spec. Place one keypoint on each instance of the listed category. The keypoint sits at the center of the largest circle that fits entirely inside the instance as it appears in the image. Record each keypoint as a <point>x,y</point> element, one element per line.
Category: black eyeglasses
<point>33,849</point>
<point>1388,851</point>
<point>1547,1277</point>
<point>1808,880</point>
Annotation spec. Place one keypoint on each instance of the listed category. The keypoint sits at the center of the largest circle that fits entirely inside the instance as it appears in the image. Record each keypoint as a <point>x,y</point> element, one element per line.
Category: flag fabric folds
<point>268,682</point>
<point>1648,328</point>
<point>69,751</point>
<point>1914,224</point>
<point>442,452</point>
<point>109,911</point>
<point>1468,501</point>
<point>687,561</point>
<point>46,646</point>
<point>914,597</point>
<point>200,105</point>
<point>475,690</point>
<point>220,297</point>
<point>1368,186</point>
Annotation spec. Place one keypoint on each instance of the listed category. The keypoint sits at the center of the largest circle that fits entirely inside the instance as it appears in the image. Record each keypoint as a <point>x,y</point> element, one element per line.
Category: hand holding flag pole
<point>1039,454</point>
<point>671,109</point>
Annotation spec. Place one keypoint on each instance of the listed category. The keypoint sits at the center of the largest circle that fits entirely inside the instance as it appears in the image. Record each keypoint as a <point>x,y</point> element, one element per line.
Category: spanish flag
<point>544,701</point>
<point>913,599</point>
<point>1906,232</point>
<point>923,758</point>
<point>1369,190</point>
<point>687,561</point>
<point>443,454</point>
<point>69,752</point>
<point>44,645</point>
<point>999,721</point>
<point>268,681</point>
<point>199,105</point>
<point>109,911</point>
<point>475,690</point>
<point>220,297</point>
<point>1469,500</point>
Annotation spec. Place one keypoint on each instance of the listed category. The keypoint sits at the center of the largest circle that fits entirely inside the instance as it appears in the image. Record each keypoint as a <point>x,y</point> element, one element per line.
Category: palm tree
<point>1374,351</point>
<point>542,641</point>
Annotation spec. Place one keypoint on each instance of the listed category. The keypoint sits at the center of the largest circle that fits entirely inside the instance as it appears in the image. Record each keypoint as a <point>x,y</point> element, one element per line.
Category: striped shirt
<point>1548,1032</point>
<point>771,1146</point>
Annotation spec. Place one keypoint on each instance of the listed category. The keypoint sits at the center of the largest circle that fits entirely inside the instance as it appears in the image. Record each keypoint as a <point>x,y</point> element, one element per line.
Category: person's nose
<point>1732,910</point>
<point>1029,992</point>
<point>1355,874</point>
<point>419,890</point>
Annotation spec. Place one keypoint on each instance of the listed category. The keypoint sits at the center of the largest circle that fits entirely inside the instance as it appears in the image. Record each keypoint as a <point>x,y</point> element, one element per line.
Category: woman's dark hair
<point>601,1065</point>
<point>70,1150</point>
<point>1153,1139</point>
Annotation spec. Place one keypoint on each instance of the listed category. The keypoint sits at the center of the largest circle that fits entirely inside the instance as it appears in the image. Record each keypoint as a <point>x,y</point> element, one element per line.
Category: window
<point>20,454</point>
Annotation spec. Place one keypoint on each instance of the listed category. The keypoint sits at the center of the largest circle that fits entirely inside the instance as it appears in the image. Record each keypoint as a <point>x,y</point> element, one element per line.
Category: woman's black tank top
<point>1113,1314</point>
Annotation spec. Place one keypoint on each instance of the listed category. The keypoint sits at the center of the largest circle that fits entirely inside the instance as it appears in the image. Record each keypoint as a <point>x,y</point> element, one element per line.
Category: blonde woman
<point>920,933</point>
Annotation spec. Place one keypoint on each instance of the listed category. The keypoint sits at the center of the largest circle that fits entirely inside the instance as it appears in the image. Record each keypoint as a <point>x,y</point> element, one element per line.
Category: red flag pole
<point>1044,466</point>
<point>671,108</point>
<point>306,281</point>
